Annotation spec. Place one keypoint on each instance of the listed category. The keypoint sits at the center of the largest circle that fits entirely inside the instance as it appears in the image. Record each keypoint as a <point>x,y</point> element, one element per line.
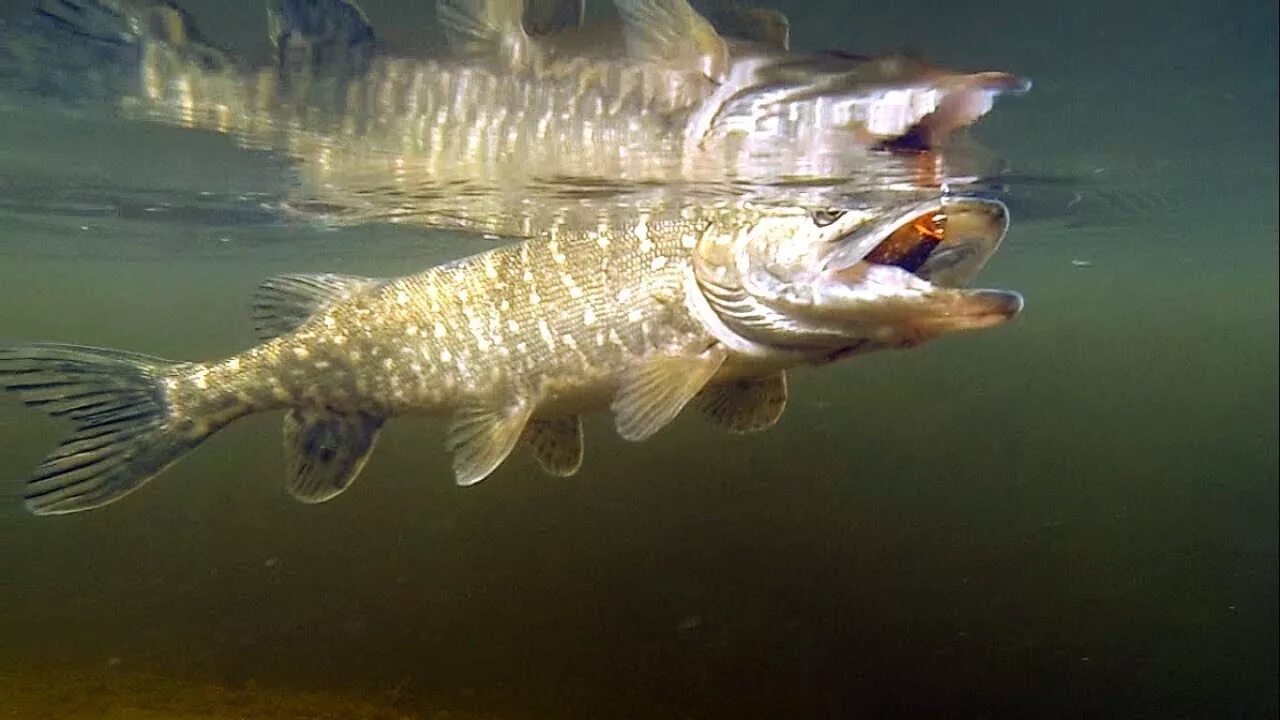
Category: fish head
<point>891,101</point>
<point>829,283</point>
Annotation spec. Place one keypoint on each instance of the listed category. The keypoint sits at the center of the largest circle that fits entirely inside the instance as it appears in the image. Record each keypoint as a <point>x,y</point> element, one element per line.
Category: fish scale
<point>559,122</point>
<point>528,321</point>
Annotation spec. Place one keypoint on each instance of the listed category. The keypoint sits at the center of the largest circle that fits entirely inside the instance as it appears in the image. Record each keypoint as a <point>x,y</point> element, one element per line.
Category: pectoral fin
<point>672,32</point>
<point>481,437</point>
<point>745,406</point>
<point>489,29</point>
<point>556,444</point>
<point>326,452</point>
<point>655,392</point>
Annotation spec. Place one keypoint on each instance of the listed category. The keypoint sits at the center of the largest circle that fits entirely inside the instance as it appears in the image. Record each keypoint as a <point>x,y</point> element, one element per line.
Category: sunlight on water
<point>1074,515</point>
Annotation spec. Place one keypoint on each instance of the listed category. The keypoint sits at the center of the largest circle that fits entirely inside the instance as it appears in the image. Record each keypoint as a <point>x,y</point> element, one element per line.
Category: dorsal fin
<point>489,29</point>
<point>672,32</point>
<point>545,17</point>
<point>284,302</point>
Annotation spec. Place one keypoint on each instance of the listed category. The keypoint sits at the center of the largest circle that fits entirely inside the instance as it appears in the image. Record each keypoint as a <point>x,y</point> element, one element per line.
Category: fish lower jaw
<point>974,310</point>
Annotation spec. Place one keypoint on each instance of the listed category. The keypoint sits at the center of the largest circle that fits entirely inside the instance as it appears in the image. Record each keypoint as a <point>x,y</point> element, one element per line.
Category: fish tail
<point>126,428</point>
<point>132,21</point>
<point>87,19</point>
<point>133,25</point>
<point>97,50</point>
<point>68,50</point>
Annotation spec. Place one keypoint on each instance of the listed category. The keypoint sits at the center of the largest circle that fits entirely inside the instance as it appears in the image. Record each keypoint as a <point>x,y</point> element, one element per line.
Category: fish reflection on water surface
<point>518,342</point>
<point>501,119</point>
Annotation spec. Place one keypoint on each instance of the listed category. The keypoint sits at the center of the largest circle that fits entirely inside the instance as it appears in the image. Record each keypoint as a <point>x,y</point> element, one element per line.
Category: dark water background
<point>1075,515</point>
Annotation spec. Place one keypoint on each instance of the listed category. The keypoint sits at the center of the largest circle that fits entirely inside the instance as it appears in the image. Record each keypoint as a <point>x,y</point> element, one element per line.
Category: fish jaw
<point>799,287</point>
<point>965,310</point>
<point>907,287</point>
<point>895,308</point>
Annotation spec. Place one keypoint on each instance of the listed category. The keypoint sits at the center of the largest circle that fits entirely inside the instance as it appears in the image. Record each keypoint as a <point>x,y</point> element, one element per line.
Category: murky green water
<point>1074,515</point>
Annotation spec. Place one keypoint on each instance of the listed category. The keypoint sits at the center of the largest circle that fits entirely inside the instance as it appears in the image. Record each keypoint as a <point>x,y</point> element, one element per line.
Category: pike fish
<point>501,118</point>
<point>518,343</point>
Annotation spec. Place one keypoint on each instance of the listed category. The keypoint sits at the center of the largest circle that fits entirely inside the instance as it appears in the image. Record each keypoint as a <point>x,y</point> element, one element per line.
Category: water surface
<point>1074,515</point>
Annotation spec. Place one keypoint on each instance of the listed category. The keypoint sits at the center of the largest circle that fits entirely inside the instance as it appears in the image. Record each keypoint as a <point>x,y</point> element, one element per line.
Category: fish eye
<point>823,218</point>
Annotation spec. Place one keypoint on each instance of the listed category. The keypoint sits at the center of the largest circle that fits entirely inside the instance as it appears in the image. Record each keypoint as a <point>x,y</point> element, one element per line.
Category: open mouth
<point>910,268</point>
<point>944,241</point>
<point>910,246</point>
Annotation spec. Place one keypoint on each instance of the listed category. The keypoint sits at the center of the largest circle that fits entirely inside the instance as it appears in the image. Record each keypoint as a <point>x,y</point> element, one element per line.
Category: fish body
<point>521,341</point>
<point>500,117</point>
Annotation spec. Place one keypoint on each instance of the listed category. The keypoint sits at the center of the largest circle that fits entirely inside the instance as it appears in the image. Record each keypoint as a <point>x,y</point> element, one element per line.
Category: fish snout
<point>965,310</point>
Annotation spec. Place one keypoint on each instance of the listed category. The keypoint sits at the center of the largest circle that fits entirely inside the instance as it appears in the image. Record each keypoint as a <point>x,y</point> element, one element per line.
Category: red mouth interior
<point>910,245</point>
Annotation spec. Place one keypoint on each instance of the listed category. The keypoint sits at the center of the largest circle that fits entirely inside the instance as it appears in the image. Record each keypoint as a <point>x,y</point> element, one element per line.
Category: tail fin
<point>124,21</point>
<point>90,51</point>
<point>67,56</point>
<point>125,432</point>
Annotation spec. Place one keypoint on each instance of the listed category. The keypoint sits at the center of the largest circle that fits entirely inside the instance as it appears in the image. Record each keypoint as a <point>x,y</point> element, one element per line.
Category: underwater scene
<point>696,359</point>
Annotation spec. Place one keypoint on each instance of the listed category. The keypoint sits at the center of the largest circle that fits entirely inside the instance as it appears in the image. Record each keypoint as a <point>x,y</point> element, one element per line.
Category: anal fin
<point>556,444</point>
<point>745,406</point>
<point>283,303</point>
<point>325,452</point>
<point>658,389</point>
<point>481,437</point>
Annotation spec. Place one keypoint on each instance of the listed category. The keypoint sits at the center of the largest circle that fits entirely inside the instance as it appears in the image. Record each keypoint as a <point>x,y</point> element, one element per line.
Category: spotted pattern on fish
<point>544,321</point>
<point>520,341</point>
